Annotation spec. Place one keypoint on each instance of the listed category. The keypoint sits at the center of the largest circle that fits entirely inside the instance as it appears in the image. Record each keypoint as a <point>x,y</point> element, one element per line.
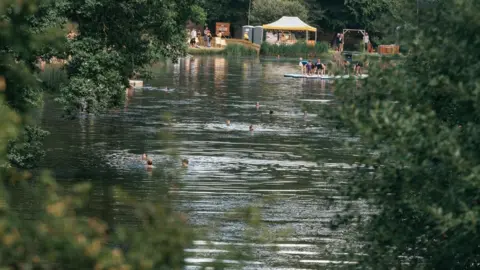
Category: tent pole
<point>316,37</point>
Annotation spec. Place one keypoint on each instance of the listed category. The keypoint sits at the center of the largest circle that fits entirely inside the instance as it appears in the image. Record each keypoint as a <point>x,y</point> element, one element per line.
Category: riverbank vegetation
<point>420,120</point>
<point>236,50</point>
<point>299,49</point>
<point>239,50</point>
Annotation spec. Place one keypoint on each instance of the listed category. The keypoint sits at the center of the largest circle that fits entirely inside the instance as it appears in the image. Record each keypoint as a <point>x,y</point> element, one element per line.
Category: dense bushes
<point>229,50</point>
<point>418,123</point>
<point>299,49</point>
<point>239,50</point>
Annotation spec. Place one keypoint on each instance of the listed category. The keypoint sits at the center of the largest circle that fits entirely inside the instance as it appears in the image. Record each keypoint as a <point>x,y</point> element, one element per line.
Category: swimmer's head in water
<point>144,156</point>
<point>185,162</point>
<point>251,128</point>
<point>271,112</point>
<point>227,122</point>
<point>149,162</point>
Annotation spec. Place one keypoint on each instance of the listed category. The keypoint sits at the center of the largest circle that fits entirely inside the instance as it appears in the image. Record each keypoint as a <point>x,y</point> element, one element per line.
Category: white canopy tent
<point>291,24</point>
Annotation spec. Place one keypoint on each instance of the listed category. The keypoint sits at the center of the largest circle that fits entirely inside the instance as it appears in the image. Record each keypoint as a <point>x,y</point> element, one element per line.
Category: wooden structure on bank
<point>223,28</point>
<point>388,49</point>
<point>362,31</point>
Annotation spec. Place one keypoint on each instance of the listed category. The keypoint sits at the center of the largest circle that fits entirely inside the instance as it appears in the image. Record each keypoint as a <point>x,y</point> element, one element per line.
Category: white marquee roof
<point>289,23</point>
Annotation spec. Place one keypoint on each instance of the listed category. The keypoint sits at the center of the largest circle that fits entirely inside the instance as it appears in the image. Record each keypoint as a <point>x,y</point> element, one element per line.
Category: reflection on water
<point>230,166</point>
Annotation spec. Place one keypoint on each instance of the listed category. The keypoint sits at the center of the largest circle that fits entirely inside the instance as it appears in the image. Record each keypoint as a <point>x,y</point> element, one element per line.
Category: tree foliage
<point>56,236</point>
<point>19,48</point>
<point>377,16</point>
<point>418,121</point>
<point>235,12</point>
<point>116,40</point>
<point>267,11</point>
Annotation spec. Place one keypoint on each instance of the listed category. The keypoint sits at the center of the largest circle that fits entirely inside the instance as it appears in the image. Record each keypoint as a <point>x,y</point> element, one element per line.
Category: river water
<point>230,167</point>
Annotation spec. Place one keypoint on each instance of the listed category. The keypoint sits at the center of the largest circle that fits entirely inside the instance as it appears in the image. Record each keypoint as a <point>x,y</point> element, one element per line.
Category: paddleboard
<point>326,77</point>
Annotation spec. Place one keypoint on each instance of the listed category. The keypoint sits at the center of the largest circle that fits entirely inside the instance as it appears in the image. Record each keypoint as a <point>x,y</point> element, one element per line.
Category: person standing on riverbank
<point>246,37</point>
<point>337,42</point>
<point>341,42</point>
<point>206,37</point>
<point>366,41</point>
<point>193,37</point>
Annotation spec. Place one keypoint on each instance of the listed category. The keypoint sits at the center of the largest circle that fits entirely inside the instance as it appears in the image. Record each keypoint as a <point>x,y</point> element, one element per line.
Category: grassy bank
<point>296,50</point>
<point>205,51</point>
<point>229,50</point>
<point>299,49</point>
<point>239,50</point>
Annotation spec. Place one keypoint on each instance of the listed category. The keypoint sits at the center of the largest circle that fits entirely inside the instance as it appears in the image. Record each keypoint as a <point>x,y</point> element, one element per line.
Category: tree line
<point>327,15</point>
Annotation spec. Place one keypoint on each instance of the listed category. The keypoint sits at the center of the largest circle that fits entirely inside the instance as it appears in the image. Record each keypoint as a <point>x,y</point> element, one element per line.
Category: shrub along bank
<point>300,49</point>
<point>229,50</point>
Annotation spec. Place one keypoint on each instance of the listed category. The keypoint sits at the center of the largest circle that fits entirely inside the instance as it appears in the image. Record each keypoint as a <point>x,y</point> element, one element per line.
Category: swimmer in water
<point>185,163</point>
<point>271,112</point>
<point>258,105</point>
<point>227,122</point>
<point>149,164</point>
<point>251,128</point>
<point>144,156</point>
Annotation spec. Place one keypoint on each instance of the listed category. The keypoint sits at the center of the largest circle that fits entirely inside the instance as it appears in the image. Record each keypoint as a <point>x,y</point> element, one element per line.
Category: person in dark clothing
<point>309,67</point>
<point>320,67</point>
<point>335,42</point>
<point>358,68</point>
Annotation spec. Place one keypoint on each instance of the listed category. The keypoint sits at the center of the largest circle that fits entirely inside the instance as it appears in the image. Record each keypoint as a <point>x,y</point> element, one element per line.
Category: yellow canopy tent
<point>291,24</point>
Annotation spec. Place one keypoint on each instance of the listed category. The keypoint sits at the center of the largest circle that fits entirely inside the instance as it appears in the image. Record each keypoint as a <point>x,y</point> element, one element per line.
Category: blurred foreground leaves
<point>419,122</point>
<point>57,237</point>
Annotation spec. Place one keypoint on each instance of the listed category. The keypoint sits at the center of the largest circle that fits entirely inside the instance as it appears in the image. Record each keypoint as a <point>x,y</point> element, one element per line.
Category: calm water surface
<point>230,167</point>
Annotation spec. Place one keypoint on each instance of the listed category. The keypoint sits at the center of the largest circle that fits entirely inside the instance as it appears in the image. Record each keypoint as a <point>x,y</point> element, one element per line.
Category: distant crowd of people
<point>339,41</point>
<point>308,67</point>
<point>195,37</point>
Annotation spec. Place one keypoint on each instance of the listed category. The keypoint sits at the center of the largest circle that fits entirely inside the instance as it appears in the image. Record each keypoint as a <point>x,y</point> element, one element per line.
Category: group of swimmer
<point>227,122</point>
<point>250,128</point>
<point>149,162</point>
<point>309,68</point>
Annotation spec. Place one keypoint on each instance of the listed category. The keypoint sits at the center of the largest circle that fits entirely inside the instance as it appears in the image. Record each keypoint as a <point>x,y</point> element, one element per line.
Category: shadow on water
<point>230,166</point>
